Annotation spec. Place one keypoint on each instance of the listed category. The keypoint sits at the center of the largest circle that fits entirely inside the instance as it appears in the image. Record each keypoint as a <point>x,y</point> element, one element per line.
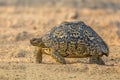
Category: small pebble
<point>74,15</point>
<point>22,36</point>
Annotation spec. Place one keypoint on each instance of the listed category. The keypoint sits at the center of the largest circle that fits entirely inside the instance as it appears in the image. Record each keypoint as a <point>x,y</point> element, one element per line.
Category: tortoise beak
<point>35,41</point>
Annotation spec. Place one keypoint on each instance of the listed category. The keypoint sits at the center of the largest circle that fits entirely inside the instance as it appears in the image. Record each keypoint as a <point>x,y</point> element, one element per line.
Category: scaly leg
<point>96,60</point>
<point>38,55</point>
<point>58,58</point>
<point>54,54</point>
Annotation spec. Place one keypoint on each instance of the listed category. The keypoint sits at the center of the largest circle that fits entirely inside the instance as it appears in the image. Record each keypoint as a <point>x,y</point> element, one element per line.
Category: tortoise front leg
<point>54,54</point>
<point>58,57</point>
<point>38,55</point>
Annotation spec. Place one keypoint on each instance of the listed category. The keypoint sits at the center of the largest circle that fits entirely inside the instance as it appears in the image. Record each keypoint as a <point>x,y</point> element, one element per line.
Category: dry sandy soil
<point>19,24</point>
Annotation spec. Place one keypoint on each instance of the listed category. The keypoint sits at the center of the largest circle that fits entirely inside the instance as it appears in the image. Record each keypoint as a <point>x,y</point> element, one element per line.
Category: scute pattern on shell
<point>75,39</point>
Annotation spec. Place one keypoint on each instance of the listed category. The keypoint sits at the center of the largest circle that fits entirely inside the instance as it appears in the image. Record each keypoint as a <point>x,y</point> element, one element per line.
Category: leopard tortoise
<point>71,40</point>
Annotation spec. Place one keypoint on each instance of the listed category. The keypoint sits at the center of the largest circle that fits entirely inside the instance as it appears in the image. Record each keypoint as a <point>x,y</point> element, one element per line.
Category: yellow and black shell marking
<point>75,39</point>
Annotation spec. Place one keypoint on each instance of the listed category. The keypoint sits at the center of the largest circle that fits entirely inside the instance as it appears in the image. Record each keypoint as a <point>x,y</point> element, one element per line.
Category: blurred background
<point>20,20</point>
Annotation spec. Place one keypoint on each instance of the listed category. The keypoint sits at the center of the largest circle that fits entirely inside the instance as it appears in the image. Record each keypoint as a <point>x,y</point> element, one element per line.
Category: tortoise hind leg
<point>96,60</point>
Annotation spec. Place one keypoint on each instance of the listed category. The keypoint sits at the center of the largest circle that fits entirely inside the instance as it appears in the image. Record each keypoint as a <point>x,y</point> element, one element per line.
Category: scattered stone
<point>22,36</point>
<point>21,54</point>
<point>16,25</point>
<point>118,33</point>
<point>74,15</point>
<point>34,28</point>
<point>118,27</point>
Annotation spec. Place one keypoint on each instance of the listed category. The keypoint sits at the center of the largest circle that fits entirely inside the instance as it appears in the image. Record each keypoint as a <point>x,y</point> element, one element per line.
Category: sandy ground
<point>19,25</point>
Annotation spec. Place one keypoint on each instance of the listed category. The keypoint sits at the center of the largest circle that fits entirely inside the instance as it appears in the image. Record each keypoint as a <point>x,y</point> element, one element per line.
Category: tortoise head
<point>37,42</point>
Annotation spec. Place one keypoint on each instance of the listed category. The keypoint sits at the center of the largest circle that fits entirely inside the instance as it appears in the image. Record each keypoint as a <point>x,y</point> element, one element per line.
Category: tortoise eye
<point>33,39</point>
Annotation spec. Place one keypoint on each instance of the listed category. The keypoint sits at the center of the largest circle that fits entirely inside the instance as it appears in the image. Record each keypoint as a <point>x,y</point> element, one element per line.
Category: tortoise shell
<point>75,39</point>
